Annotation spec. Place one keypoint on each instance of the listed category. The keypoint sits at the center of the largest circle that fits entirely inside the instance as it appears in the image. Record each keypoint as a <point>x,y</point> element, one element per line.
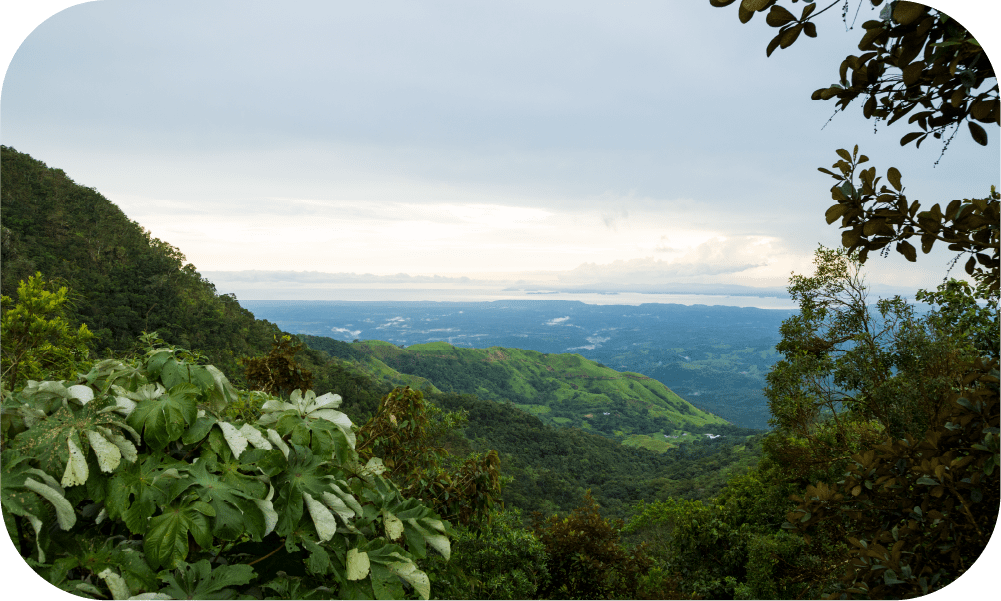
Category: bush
<point>129,480</point>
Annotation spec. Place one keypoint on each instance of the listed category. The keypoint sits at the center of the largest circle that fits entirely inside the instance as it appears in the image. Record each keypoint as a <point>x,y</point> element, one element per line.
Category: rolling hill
<point>562,389</point>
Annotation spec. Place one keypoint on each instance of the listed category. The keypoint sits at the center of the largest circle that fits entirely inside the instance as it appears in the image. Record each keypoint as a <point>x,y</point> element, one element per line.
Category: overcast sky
<point>457,138</point>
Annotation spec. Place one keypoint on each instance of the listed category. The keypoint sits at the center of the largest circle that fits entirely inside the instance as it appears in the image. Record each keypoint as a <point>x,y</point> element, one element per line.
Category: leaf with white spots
<point>108,455</point>
<point>76,466</point>
<point>357,564</point>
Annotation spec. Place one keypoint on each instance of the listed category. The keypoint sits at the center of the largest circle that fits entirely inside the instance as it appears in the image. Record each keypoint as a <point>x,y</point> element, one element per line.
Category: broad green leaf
<point>163,418</point>
<point>232,498</point>
<point>385,583</point>
<point>116,584</point>
<point>357,564</point>
<point>65,515</point>
<point>323,519</point>
<point>76,471</point>
<point>201,580</point>
<point>408,571</point>
<point>200,429</point>
<point>137,491</point>
<point>166,541</point>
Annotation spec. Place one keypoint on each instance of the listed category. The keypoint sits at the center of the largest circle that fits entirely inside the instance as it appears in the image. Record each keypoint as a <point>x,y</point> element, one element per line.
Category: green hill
<point>124,281</point>
<point>562,389</point>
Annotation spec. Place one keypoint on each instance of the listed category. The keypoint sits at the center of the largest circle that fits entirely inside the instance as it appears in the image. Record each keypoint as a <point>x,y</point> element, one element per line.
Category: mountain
<point>562,389</point>
<point>125,281</point>
<point>715,357</point>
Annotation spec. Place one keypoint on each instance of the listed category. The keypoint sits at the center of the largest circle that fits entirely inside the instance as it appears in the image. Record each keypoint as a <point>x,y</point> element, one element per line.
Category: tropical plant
<point>586,558</point>
<point>408,432</point>
<point>36,339</point>
<point>133,483</point>
<point>278,372</point>
<point>502,560</point>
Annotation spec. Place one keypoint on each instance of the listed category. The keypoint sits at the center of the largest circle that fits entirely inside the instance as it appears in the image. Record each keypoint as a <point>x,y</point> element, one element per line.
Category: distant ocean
<point>446,293</point>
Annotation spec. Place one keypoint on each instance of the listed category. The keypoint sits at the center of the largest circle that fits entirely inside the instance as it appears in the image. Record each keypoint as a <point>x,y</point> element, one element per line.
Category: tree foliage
<point>408,432</point>
<point>586,559</point>
<point>36,339</point>
<point>919,511</point>
<point>912,57</point>
<point>873,220</point>
<point>278,372</point>
<point>133,482</point>
<point>502,560</point>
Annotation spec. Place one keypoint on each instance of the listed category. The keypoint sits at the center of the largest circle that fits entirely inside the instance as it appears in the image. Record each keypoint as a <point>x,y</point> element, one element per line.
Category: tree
<point>888,418</point>
<point>586,557</point>
<point>278,372</point>
<point>36,339</point>
<point>409,434</point>
<point>945,82</point>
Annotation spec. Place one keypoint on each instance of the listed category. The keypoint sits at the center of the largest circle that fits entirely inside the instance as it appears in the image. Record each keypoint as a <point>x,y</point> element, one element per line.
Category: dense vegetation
<point>132,466</point>
<point>564,389</point>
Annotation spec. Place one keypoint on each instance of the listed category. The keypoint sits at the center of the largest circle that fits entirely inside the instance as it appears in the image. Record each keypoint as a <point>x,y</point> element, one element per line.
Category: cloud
<point>557,320</point>
<point>313,278</point>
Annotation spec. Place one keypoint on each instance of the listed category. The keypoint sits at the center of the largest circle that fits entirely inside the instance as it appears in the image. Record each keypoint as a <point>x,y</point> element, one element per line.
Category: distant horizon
<point>288,285</point>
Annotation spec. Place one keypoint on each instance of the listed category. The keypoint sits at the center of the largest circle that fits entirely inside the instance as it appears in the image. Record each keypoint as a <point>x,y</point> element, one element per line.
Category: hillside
<point>563,389</point>
<point>125,282</point>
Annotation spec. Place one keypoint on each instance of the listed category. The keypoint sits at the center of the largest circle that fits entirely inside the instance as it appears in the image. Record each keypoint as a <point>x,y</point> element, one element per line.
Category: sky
<point>560,143</point>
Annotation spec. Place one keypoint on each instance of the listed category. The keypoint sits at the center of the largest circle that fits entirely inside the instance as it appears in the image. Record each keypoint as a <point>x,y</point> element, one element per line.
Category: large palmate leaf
<point>233,498</point>
<point>30,492</point>
<point>60,442</point>
<point>204,581</point>
<point>312,421</point>
<point>123,566</point>
<point>166,540</point>
<point>163,416</point>
<point>135,493</point>
<point>214,388</point>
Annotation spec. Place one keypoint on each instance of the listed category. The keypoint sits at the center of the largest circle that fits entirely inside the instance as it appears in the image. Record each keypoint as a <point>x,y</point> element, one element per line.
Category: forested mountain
<point>564,389</point>
<point>125,280</point>
<point>744,515</point>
